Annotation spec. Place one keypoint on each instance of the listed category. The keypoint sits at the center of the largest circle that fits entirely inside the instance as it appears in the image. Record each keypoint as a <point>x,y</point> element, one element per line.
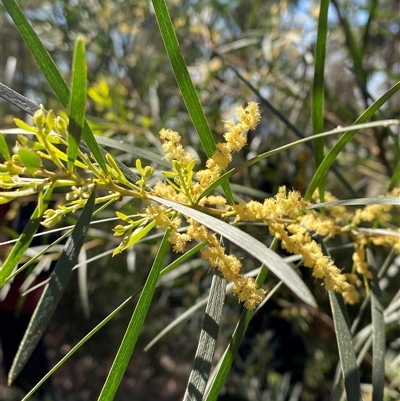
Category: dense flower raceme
<point>286,214</point>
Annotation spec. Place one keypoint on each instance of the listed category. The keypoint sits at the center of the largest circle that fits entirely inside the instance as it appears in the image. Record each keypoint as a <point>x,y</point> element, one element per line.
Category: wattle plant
<point>194,210</point>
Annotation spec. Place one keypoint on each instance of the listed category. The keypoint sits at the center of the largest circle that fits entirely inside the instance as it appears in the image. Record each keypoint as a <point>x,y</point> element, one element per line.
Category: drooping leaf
<point>251,245</point>
<point>53,290</point>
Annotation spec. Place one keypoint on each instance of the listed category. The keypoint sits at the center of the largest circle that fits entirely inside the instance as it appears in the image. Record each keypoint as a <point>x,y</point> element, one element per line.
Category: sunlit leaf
<point>77,104</point>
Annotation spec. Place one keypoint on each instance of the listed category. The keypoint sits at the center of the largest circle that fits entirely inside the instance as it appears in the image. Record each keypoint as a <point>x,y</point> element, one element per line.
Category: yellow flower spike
<point>250,116</point>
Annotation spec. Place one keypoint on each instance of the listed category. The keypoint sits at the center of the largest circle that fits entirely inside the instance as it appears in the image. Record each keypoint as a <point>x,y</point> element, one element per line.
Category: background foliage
<point>236,51</point>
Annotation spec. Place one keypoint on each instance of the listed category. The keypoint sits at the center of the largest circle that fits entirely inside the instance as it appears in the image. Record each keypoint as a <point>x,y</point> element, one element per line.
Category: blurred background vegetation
<point>236,51</point>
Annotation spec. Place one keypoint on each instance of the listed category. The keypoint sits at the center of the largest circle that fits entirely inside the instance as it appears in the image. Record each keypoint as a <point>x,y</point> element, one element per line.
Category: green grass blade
<point>251,245</point>
<point>76,347</point>
<point>53,290</point>
<point>395,178</point>
<point>185,84</point>
<point>346,138</point>
<point>318,96</point>
<point>208,338</point>
<point>50,71</point>
<point>24,239</point>
<point>135,325</point>
<point>183,79</point>
<point>378,340</point>
<point>345,345</point>
<point>77,104</point>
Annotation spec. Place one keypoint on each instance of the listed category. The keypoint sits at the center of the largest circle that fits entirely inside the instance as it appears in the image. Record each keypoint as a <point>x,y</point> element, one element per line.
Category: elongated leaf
<point>360,201</point>
<point>135,325</point>
<point>183,79</point>
<point>395,178</point>
<point>50,71</point>
<point>379,341</point>
<point>345,139</point>
<point>346,350</point>
<point>185,84</point>
<point>77,104</point>
<point>251,245</point>
<point>206,346</point>
<point>24,239</point>
<point>53,290</point>
<point>318,93</point>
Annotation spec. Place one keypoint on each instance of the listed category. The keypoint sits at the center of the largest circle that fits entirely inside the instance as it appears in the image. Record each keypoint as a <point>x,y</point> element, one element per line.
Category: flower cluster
<point>287,221</point>
<point>185,189</point>
<point>235,139</point>
<point>287,215</point>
